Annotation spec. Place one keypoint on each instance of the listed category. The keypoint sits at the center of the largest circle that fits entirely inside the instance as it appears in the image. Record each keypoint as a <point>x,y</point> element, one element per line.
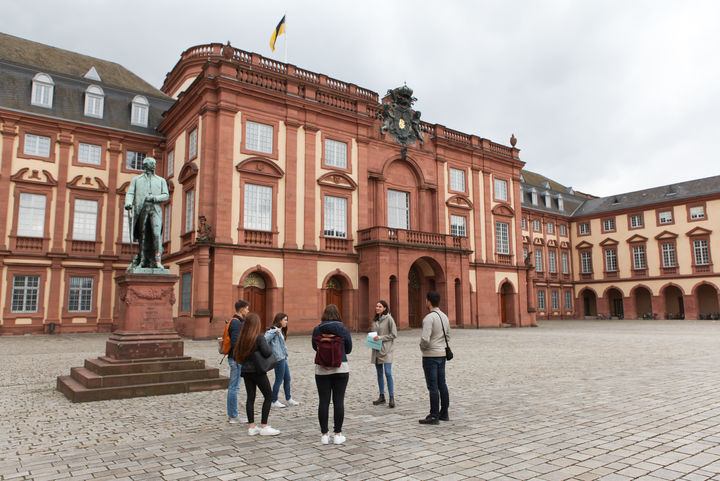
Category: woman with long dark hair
<point>331,381</point>
<point>384,326</point>
<point>251,339</point>
<point>275,337</point>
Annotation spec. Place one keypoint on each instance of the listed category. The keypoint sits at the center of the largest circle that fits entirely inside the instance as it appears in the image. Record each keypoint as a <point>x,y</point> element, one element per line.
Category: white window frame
<point>523,223</point>
<point>611,260</point>
<point>335,222</point>
<point>554,300</point>
<point>189,210</point>
<point>697,212</point>
<point>94,101</point>
<point>458,225</point>
<point>639,258</point>
<point>552,261</point>
<point>259,137</point>
<point>501,189</point>
<point>31,215</point>
<point>665,217</point>
<point>457,179</point>
<point>89,154</point>
<point>126,238</point>
<point>669,257</point>
<point>171,163</point>
<point>398,209</point>
<point>502,237</point>
<point>701,252</point>
<point>536,226</point>
<point>541,299</point>
<point>140,111</point>
<point>548,201</point>
<point>565,261</point>
<point>43,89</point>
<point>584,228</point>
<point>193,143</point>
<point>80,294</point>
<point>336,154</point>
<point>538,260</point>
<point>636,221</point>
<point>568,301</point>
<point>258,208</point>
<point>25,294</point>
<point>550,228</point>
<point>185,292</point>
<point>167,216</point>
<point>134,160</point>
<point>85,216</point>
<point>586,262</point>
<point>37,145</point>
<point>563,229</point>
<point>608,225</point>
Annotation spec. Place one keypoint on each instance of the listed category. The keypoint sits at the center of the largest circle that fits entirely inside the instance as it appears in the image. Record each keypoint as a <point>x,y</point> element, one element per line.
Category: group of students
<point>247,339</point>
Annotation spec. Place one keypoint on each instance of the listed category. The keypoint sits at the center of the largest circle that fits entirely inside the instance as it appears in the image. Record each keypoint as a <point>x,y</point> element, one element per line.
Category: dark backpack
<point>329,350</point>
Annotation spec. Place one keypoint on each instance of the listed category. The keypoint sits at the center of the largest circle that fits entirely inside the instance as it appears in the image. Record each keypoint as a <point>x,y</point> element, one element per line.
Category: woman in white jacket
<point>384,326</point>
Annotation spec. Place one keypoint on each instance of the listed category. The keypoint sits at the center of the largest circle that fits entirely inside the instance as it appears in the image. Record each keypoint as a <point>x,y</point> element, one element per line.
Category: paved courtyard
<point>609,400</point>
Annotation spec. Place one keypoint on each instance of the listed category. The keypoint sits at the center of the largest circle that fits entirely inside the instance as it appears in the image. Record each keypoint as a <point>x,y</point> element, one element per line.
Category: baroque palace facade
<point>294,190</point>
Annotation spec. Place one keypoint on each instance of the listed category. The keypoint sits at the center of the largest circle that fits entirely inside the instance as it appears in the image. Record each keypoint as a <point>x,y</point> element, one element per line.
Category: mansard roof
<point>543,186</point>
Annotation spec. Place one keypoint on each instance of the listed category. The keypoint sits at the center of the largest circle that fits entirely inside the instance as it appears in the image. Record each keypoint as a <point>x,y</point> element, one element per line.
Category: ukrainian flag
<point>279,30</point>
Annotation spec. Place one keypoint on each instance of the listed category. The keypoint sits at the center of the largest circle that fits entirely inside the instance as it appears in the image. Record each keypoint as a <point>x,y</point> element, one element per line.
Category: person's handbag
<point>448,352</point>
<point>263,363</point>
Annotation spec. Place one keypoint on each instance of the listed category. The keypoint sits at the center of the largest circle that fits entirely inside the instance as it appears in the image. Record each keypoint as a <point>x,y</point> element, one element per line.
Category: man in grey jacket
<point>432,346</point>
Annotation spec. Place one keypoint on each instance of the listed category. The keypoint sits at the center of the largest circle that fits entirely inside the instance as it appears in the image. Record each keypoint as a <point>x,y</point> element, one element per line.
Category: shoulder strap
<point>443,328</point>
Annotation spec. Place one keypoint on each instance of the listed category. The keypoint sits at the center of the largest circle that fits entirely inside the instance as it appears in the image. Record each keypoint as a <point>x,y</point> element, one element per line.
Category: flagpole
<point>286,37</point>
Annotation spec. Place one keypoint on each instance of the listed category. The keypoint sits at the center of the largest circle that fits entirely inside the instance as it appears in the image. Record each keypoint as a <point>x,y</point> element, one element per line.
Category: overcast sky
<point>605,96</point>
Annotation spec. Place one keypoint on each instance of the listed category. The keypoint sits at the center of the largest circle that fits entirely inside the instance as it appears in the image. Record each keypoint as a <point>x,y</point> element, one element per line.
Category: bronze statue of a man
<point>146,194</point>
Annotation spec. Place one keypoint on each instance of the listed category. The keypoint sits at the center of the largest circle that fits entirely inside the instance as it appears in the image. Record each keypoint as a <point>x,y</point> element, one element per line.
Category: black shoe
<point>444,418</point>
<point>391,404</point>
<point>429,420</point>
<point>380,400</point>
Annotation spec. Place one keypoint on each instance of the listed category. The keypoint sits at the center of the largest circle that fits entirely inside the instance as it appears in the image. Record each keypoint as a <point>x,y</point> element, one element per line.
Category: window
<point>167,214</point>
<point>668,254</point>
<point>126,227</point>
<point>171,163</point>
<point>134,160</point>
<point>457,226</point>
<point>563,229</point>
<point>525,253</point>
<point>697,212</point>
<point>536,225</point>
<point>523,223</point>
<point>565,263</point>
<point>457,180</point>
<point>568,300</point>
<point>139,113</point>
<point>534,197</point>
<point>541,299</point>
<point>80,294</point>
<point>31,215</point>
<point>608,225</point>
<point>561,202</point>
<point>554,300</point>
<point>501,189</point>
<point>665,217</point>
<point>192,144</point>
<point>502,239</point>
<point>701,253</point>
<point>258,207</point>
<point>190,210</point>
<point>550,228</point>
<point>185,291</point>
<point>94,101</point>
<point>89,154</point>
<point>538,260</point>
<point>37,145</point>
<point>25,293</point>
<point>335,216</point>
<point>638,253</point>
<point>610,260</point>
<point>548,200</point>
<point>552,261</point>
<point>42,90</point>
<point>583,228</point>
<point>85,220</point>
<point>636,221</point>
<point>585,263</point>
<point>336,154</point>
<point>398,209</point>
<point>259,137</point>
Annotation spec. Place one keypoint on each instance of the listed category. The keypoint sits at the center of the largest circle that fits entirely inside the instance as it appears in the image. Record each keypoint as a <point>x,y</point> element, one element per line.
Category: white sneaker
<point>338,438</point>
<point>324,439</point>
<point>269,431</point>
<point>255,430</point>
<point>278,404</point>
<point>292,402</point>
<point>235,420</point>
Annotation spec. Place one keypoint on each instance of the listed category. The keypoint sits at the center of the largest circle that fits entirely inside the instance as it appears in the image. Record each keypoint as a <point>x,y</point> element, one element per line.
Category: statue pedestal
<point>145,355</point>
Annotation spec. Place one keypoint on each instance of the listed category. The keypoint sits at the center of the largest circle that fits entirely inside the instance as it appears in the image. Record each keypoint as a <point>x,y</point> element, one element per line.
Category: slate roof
<point>21,59</point>
<point>542,185</point>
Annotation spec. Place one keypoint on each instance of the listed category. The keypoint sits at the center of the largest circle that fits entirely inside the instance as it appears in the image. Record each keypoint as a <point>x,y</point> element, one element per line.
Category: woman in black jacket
<point>252,339</point>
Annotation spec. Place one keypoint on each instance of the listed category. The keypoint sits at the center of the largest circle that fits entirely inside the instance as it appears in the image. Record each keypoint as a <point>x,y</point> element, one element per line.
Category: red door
<point>256,297</point>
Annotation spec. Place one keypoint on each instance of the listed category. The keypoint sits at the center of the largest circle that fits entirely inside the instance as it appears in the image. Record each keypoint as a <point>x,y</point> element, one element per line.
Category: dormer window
<point>42,90</point>
<point>548,200</point>
<point>534,197</point>
<point>94,101</point>
<point>561,202</point>
<point>139,114</point>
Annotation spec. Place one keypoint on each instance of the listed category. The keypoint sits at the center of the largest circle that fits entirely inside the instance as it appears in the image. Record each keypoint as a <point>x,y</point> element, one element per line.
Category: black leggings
<point>259,380</point>
<point>332,385</point>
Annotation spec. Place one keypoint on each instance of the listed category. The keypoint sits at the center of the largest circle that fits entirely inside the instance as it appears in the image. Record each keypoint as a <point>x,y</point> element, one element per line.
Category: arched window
<point>139,113</point>
<point>94,101</point>
<point>42,90</point>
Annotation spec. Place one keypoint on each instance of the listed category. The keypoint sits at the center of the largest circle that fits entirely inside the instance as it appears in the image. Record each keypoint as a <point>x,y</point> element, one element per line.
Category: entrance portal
<point>255,294</point>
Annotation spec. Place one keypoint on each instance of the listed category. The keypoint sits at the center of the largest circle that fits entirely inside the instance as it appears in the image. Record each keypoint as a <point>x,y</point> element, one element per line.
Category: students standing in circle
<point>241,310</point>
<point>251,339</point>
<point>275,336</point>
<point>331,382</point>
<point>384,326</point>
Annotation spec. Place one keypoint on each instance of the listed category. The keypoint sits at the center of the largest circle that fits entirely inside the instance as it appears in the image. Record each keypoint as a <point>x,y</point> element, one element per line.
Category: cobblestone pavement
<point>585,400</point>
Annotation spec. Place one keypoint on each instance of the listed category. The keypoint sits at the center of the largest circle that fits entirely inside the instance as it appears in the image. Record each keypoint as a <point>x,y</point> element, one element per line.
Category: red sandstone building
<point>288,188</point>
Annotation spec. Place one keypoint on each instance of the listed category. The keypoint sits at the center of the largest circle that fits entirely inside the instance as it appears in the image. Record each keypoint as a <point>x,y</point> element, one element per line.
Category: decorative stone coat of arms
<point>399,119</point>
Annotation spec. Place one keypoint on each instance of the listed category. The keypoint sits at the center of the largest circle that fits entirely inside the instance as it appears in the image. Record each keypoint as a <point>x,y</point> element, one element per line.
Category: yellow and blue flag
<point>279,30</point>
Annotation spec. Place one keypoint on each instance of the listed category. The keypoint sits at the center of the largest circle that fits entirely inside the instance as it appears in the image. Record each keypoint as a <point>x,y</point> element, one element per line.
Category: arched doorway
<point>643,303</point>
<point>425,275</point>
<point>589,300</point>
<point>415,304</point>
<point>707,299</point>
<point>507,303</point>
<point>334,293</point>
<point>255,293</point>
<point>615,303</point>
<point>674,304</point>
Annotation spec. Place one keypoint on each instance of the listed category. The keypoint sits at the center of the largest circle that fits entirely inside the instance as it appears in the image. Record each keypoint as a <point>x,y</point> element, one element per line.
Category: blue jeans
<point>388,375</point>
<point>282,376</point>
<point>434,368</point>
<point>232,403</point>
